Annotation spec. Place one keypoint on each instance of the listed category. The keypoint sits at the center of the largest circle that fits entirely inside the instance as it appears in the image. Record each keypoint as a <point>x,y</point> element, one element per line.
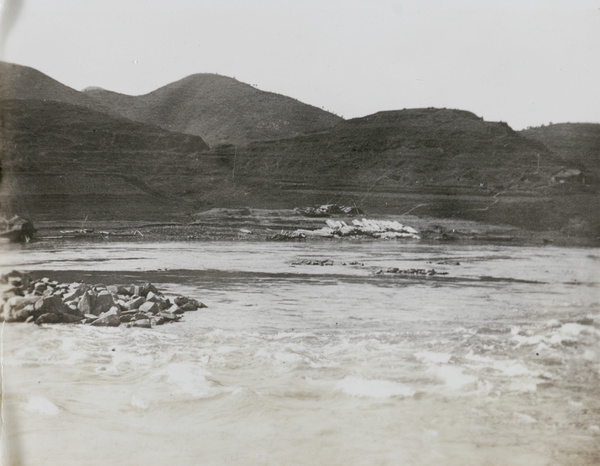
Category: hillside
<point>408,149</point>
<point>432,162</point>
<point>577,143</point>
<point>70,155</point>
<point>65,161</point>
<point>22,82</point>
<point>219,109</point>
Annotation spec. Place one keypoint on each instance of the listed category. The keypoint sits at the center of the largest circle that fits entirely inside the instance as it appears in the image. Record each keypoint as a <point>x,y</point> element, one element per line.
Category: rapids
<point>497,362</point>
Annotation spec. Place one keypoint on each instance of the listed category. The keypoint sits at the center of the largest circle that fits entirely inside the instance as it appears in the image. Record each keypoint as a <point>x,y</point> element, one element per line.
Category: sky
<point>525,62</point>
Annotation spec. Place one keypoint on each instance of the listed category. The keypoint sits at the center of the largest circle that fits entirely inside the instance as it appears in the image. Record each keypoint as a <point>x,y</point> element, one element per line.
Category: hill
<point>66,161</point>
<point>577,143</point>
<point>25,83</point>
<point>432,162</point>
<point>67,155</point>
<point>219,109</point>
<point>408,149</point>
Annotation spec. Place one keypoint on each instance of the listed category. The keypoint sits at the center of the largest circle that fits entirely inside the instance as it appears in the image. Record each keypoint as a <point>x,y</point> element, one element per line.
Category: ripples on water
<point>495,363</point>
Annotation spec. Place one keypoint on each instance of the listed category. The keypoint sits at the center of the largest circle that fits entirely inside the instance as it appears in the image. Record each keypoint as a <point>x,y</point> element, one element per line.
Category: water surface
<point>496,362</point>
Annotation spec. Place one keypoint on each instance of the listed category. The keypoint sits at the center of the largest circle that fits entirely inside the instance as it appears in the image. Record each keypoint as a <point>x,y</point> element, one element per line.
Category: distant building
<point>568,175</point>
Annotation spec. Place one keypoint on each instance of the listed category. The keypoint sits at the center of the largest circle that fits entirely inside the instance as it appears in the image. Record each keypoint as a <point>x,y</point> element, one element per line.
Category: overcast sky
<point>526,62</point>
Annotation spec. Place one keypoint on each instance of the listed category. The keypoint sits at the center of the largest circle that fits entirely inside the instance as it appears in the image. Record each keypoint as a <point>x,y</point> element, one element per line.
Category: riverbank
<point>222,224</point>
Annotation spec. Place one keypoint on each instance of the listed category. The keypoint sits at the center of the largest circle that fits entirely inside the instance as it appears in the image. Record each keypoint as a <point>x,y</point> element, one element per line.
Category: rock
<point>104,302</point>
<point>74,293</point>
<point>154,297</point>
<point>169,316</point>
<point>148,288</point>
<point>19,302</point>
<point>161,301</point>
<point>149,307</point>
<point>48,318</point>
<point>87,301</point>
<point>189,307</point>
<point>39,288</point>
<point>134,303</point>
<point>160,320</point>
<point>50,304</point>
<point>13,291</point>
<point>144,323</point>
<point>180,300</point>
<point>73,310</point>
<point>70,319</point>
<point>16,282</point>
<point>107,319</point>
<point>175,309</point>
<point>12,274</point>
<point>23,314</point>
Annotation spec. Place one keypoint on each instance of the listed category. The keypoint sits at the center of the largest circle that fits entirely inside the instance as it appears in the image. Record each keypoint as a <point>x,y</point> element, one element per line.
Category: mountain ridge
<point>85,156</point>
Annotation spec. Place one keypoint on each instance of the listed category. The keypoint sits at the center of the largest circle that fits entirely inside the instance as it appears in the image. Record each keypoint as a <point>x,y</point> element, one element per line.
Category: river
<point>496,362</point>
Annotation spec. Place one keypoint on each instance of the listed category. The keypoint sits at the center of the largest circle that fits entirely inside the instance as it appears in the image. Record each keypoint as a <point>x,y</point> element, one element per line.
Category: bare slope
<point>577,143</point>
<point>23,82</point>
<point>408,149</point>
<point>219,109</point>
<point>65,161</point>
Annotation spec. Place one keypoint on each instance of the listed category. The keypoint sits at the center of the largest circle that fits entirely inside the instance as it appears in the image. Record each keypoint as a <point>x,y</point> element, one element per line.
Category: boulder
<point>107,319</point>
<point>160,320</point>
<point>194,304</point>
<point>103,303</point>
<point>144,323</point>
<point>70,318</point>
<point>73,310</point>
<point>12,274</point>
<point>149,307</point>
<point>48,318</point>
<point>50,304</point>
<point>13,291</point>
<point>87,301</point>
<point>39,288</point>
<point>148,288</point>
<point>169,316</point>
<point>74,293</point>
<point>22,314</point>
<point>175,309</point>
<point>134,303</point>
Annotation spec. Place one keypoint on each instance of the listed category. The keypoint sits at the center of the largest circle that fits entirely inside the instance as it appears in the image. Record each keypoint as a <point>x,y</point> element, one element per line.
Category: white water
<point>497,362</point>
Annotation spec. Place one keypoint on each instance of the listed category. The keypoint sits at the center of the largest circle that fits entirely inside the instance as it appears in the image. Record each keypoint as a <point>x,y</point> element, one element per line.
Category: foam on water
<point>41,405</point>
<point>373,388</point>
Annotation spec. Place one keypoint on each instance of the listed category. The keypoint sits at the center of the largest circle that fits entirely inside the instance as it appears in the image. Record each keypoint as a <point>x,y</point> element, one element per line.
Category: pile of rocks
<point>396,270</point>
<point>47,301</point>
<point>312,262</point>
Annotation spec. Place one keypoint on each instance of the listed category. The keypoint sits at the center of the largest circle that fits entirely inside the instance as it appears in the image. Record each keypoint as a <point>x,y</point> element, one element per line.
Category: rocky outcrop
<point>47,301</point>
